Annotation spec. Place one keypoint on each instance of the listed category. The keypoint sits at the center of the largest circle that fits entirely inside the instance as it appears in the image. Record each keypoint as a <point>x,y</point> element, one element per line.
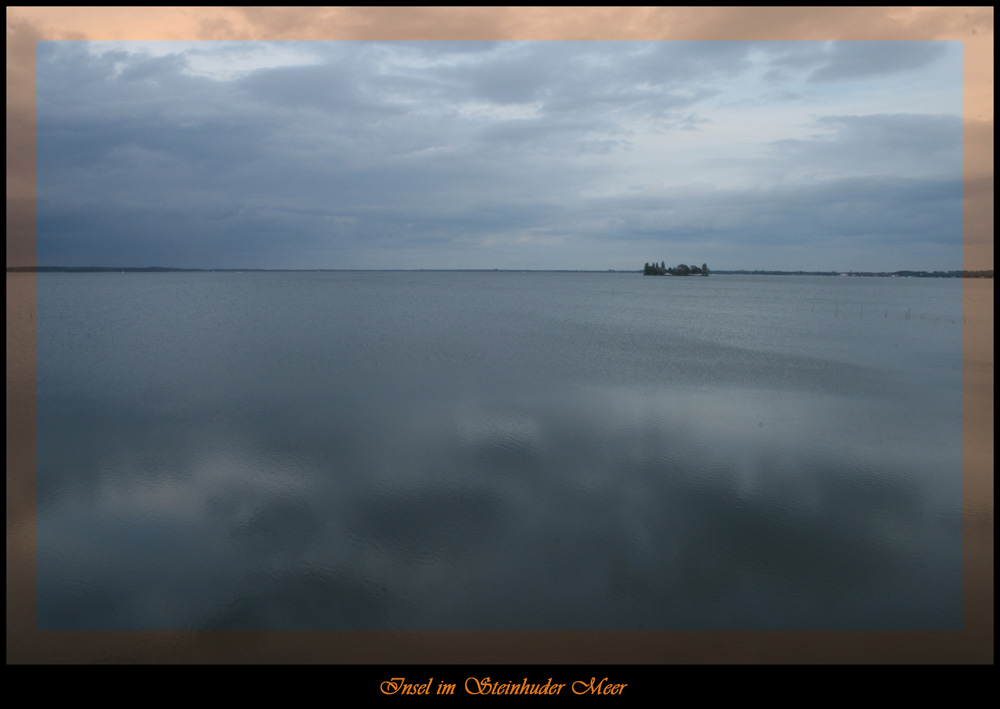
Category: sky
<point>593,155</point>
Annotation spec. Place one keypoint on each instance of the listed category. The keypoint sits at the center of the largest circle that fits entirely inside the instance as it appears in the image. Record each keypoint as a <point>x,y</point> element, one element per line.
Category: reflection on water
<point>496,451</point>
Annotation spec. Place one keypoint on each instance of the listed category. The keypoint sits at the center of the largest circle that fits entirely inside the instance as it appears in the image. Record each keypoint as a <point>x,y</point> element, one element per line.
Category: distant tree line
<point>869,274</point>
<point>660,269</point>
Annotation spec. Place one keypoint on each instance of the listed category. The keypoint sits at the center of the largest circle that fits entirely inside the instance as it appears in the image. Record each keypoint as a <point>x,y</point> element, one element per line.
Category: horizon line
<point>30,269</point>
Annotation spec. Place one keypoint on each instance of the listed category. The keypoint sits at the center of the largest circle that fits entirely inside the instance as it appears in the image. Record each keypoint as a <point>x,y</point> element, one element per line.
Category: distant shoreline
<point>160,269</point>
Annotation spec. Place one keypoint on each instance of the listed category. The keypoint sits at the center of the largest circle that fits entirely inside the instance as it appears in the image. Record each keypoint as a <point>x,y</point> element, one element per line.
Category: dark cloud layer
<point>352,155</point>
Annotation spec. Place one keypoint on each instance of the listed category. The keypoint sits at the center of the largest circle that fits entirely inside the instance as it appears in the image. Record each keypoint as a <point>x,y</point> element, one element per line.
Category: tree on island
<point>660,269</point>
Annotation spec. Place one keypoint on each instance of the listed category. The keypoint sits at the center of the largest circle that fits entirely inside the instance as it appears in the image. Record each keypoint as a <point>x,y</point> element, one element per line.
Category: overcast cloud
<point>577,155</point>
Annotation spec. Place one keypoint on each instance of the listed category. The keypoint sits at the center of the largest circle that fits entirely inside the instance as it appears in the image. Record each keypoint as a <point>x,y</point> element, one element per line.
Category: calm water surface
<point>498,451</point>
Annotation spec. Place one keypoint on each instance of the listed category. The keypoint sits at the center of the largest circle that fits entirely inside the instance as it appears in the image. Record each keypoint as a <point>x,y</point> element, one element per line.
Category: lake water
<point>496,450</point>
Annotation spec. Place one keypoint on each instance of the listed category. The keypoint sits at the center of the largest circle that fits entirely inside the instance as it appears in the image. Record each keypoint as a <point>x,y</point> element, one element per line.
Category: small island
<point>654,269</point>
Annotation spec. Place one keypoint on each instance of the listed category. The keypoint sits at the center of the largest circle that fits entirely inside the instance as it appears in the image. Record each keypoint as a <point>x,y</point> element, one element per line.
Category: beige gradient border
<point>973,26</point>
